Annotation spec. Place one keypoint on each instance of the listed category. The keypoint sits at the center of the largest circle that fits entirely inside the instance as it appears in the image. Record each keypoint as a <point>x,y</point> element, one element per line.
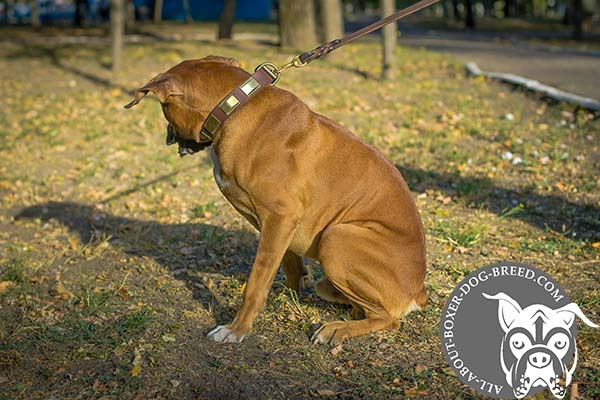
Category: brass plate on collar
<point>249,86</point>
<point>229,104</point>
<point>212,124</point>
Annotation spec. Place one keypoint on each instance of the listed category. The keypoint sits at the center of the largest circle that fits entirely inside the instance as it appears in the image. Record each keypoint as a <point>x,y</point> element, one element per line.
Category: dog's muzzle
<point>539,367</point>
<point>186,146</point>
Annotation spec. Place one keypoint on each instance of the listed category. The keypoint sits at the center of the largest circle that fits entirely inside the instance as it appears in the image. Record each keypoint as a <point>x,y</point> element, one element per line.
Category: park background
<point>117,257</point>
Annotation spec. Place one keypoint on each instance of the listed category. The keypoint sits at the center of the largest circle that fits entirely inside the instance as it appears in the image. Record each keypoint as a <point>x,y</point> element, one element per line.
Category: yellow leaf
<point>596,245</point>
<point>135,371</point>
<point>5,285</point>
<point>420,368</point>
<point>167,338</point>
<point>63,291</point>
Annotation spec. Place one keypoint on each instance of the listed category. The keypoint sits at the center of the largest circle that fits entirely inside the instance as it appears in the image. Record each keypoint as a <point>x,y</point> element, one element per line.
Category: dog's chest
<point>222,183</point>
<point>234,194</point>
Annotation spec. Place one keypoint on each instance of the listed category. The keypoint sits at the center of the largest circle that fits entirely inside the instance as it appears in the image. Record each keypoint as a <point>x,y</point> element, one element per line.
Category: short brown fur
<point>312,189</point>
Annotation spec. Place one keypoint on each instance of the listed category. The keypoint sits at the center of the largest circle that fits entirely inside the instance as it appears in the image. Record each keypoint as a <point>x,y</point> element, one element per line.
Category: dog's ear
<point>570,311</point>
<point>223,60</point>
<point>508,309</point>
<point>162,86</point>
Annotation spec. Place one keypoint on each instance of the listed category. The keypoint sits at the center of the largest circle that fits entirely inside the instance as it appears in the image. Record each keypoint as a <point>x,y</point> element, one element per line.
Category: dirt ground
<point>117,257</point>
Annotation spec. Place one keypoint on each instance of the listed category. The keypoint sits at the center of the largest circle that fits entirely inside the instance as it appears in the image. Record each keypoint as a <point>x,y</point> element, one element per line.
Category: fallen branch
<point>583,102</point>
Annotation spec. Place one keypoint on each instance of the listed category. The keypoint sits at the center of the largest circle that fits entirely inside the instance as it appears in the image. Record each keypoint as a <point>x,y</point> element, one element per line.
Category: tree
<point>577,19</point>
<point>80,6</point>
<point>388,37</point>
<point>35,14</point>
<point>227,19</point>
<point>508,8</point>
<point>186,9</point>
<point>470,19</point>
<point>297,24</point>
<point>330,19</point>
<point>456,10</point>
<point>157,15</point>
<point>117,26</point>
<point>130,15</point>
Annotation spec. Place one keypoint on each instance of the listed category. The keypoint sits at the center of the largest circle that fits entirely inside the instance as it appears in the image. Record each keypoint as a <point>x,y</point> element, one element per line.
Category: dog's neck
<point>235,99</point>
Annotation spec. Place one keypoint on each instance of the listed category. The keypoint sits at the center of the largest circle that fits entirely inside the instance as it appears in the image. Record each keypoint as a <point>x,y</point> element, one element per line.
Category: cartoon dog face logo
<point>536,345</point>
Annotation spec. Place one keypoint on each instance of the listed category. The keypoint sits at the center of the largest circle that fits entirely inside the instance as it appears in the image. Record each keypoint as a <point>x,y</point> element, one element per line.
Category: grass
<point>122,256</point>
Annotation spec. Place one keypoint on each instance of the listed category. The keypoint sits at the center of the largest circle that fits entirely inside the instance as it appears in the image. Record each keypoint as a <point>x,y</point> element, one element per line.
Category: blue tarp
<point>201,10</point>
<point>247,10</point>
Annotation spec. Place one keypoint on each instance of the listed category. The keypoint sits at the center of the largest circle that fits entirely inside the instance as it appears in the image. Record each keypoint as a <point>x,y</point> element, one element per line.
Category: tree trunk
<point>577,19</point>
<point>78,21</point>
<point>331,20</point>
<point>470,20</point>
<point>456,11</point>
<point>117,26</point>
<point>388,38</point>
<point>188,13</point>
<point>508,5</point>
<point>488,8</point>
<point>35,14</point>
<point>227,19</point>
<point>157,15</point>
<point>297,24</point>
<point>445,10</point>
<point>129,15</point>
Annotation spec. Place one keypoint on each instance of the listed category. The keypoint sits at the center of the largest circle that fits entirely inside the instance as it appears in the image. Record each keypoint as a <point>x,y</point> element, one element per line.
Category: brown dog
<point>312,189</point>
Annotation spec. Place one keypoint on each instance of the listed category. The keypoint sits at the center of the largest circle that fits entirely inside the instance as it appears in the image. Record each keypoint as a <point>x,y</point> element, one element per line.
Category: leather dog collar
<point>264,75</point>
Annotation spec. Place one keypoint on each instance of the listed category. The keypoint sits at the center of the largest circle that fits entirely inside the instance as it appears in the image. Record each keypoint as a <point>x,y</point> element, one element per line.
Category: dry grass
<point>122,256</point>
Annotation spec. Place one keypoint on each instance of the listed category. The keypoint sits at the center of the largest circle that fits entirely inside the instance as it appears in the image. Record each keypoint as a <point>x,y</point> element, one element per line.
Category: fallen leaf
<point>420,368</point>
<point>336,350</point>
<point>415,392</point>
<point>167,338</point>
<point>62,291</point>
<point>135,371</point>
<point>5,285</point>
<point>397,382</point>
<point>325,393</point>
<point>124,293</point>
<point>448,371</point>
<point>461,249</point>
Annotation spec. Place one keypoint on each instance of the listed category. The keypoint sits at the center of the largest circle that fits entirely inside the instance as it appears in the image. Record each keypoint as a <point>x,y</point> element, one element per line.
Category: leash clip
<point>295,62</point>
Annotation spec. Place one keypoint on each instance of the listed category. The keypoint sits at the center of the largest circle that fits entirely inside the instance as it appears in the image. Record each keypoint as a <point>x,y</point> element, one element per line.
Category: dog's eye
<point>560,344</point>
<point>517,344</point>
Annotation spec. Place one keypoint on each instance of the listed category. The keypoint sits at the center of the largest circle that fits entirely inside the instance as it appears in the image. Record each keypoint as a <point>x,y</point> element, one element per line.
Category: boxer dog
<point>312,189</point>
<point>536,345</point>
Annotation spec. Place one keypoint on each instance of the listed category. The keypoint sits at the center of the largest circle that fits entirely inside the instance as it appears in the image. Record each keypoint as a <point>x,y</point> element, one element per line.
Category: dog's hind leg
<point>364,267</point>
<point>297,274</point>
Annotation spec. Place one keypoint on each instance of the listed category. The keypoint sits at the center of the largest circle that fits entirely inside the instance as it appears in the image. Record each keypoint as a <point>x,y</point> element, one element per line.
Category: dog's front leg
<point>276,234</point>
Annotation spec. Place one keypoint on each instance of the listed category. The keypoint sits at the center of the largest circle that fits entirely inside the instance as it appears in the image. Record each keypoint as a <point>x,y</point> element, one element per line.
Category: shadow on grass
<point>572,220</point>
<point>191,251</point>
<point>52,54</point>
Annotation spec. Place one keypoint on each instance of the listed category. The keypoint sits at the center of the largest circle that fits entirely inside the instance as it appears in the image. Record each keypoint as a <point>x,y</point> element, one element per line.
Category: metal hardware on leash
<point>276,71</point>
<point>303,59</point>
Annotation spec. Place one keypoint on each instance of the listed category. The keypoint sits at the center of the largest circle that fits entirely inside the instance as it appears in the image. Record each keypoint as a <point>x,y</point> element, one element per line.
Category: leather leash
<point>267,74</point>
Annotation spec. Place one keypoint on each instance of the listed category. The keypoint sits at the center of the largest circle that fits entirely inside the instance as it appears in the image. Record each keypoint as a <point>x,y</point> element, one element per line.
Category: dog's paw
<point>222,334</point>
<point>306,283</point>
<point>332,333</point>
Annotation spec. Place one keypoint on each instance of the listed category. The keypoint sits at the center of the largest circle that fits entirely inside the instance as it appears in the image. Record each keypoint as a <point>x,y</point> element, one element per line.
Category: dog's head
<point>187,93</point>
<point>536,345</point>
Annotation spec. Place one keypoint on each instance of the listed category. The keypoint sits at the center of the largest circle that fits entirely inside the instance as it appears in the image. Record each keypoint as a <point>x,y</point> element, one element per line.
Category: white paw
<point>222,334</point>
